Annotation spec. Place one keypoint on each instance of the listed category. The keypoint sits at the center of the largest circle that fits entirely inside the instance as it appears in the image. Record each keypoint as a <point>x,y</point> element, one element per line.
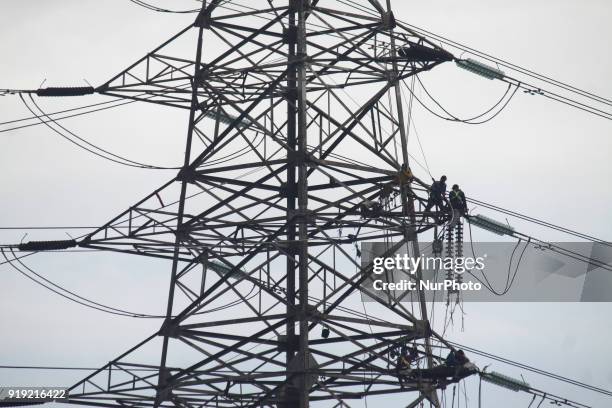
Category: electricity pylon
<point>296,152</point>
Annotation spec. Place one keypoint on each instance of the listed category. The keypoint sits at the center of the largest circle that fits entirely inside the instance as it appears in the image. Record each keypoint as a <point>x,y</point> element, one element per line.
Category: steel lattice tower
<point>284,173</point>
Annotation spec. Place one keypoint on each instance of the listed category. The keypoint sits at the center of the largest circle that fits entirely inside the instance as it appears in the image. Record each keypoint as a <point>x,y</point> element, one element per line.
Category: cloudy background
<point>538,157</point>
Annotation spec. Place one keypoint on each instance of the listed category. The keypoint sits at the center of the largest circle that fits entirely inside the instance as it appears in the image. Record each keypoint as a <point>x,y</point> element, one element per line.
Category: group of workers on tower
<point>455,367</point>
<point>437,197</point>
<point>455,203</point>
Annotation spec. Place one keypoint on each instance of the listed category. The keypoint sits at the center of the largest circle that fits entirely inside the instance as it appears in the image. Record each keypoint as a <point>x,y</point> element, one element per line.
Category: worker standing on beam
<point>458,205</point>
<point>457,201</point>
<point>437,195</point>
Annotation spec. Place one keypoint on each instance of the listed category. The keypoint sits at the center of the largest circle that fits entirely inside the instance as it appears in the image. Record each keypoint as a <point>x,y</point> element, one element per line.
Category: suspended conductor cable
<point>469,121</point>
<point>532,369</point>
<point>84,143</point>
<point>37,123</point>
<point>162,10</point>
<point>83,301</point>
<point>509,281</point>
<point>454,117</point>
<point>510,65</point>
<point>58,290</point>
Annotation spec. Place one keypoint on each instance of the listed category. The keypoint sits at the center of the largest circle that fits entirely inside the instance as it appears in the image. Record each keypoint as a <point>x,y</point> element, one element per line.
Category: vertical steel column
<point>291,197</point>
<point>302,201</point>
<point>408,199</point>
<point>162,376</point>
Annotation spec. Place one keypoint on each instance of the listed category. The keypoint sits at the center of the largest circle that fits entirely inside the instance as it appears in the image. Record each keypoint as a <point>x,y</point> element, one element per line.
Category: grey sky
<point>538,157</point>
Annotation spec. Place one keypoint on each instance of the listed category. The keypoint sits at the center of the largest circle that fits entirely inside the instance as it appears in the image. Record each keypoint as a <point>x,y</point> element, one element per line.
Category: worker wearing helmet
<point>457,200</point>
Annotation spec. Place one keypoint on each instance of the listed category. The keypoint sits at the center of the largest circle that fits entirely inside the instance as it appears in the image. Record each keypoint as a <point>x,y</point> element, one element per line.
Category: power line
<point>65,293</point>
<point>67,368</point>
<point>162,10</point>
<point>55,227</point>
<point>532,369</point>
<point>83,301</point>
<point>531,219</point>
<point>82,143</point>
<point>509,65</point>
<point>529,73</point>
<point>123,102</point>
<point>538,221</point>
<point>471,120</point>
<point>532,89</point>
<point>509,282</point>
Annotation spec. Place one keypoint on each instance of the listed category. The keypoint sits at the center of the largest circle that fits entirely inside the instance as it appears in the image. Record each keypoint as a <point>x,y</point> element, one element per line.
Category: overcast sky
<point>538,157</point>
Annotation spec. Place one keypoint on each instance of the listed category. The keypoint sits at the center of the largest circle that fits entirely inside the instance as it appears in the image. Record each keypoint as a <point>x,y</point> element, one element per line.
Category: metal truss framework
<point>280,162</point>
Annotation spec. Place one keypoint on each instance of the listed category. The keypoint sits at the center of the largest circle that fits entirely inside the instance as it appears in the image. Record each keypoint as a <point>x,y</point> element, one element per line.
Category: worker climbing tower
<point>296,151</point>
